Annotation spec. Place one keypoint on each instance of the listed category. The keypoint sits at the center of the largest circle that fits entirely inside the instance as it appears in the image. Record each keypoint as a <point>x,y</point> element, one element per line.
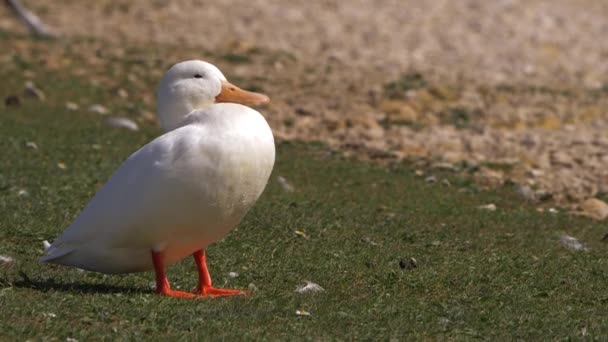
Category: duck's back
<point>180,192</point>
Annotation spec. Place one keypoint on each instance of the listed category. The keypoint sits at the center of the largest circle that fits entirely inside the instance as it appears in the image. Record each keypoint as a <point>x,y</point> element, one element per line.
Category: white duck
<point>182,191</point>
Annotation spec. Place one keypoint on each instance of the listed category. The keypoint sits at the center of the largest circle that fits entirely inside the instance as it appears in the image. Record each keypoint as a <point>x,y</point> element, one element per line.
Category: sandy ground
<point>516,88</point>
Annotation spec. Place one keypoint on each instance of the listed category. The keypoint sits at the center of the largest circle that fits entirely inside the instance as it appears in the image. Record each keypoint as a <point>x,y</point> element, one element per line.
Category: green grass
<point>480,274</point>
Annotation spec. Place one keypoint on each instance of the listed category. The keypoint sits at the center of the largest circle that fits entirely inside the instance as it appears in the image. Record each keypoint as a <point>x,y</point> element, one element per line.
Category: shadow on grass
<point>48,285</point>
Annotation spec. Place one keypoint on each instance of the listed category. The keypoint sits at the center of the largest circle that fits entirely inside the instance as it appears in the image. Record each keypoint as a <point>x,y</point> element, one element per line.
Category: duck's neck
<point>171,114</point>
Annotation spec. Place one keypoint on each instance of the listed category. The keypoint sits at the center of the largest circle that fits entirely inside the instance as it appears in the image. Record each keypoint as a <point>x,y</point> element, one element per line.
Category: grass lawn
<point>479,274</point>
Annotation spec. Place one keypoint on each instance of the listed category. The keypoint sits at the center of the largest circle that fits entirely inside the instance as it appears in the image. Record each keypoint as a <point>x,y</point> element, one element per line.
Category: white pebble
<point>6,259</point>
<point>285,184</point>
<point>572,243</point>
<point>123,123</point>
<point>490,207</point>
<point>71,106</point>
<point>31,145</point>
<point>99,109</point>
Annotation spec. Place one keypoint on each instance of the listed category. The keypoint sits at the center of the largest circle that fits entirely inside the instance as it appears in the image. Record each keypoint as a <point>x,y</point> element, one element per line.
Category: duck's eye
<point>198,76</point>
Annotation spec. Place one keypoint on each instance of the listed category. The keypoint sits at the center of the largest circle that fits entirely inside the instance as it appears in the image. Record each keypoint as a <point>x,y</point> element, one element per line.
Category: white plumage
<point>183,190</point>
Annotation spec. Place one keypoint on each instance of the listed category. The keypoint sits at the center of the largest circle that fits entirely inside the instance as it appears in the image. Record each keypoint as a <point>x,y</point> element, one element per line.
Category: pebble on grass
<point>99,109</point>
<point>572,243</point>
<point>12,101</point>
<point>120,122</point>
<point>408,264</point>
<point>71,106</point>
<point>32,91</point>
<point>285,185</point>
<point>490,207</point>
<point>5,260</point>
<point>32,145</point>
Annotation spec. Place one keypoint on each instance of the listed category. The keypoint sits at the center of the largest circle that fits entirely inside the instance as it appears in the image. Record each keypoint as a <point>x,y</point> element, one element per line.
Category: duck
<point>181,192</point>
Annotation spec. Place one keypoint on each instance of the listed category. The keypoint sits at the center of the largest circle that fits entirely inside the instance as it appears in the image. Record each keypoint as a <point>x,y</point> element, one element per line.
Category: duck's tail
<point>54,251</point>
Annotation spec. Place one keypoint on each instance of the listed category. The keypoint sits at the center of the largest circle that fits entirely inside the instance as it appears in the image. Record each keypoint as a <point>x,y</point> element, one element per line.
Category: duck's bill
<point>232,93</point>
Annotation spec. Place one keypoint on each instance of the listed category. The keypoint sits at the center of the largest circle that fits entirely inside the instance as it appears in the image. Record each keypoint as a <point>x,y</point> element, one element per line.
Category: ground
<point>448,119</point>
<point>518,84</point>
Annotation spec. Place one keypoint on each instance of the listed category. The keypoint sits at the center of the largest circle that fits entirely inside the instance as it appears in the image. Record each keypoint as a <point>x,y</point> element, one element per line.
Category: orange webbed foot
<point>209,291</point>
<point>176,294</point>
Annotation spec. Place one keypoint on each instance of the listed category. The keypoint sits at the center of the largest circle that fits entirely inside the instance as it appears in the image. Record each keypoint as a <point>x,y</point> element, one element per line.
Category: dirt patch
<point>513,86</point>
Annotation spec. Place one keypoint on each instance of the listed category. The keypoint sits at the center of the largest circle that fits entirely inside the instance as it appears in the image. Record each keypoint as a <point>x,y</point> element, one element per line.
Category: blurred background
<point>506,90</point>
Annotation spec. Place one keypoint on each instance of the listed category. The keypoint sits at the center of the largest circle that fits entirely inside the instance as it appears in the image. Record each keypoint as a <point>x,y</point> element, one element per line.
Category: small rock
<point>251,287</point>
<point>99,109</point>
<point>594,208</point>
<point>285,184</point>
<point>304,111</point>
<point>526,192</point>
<point>408,264</point>
<point>31,145</point>
<point>46,245</point>
<point>122,123</point>
<point>445,166</point>
<point>536,173</point>
<point>33,92</point>
<point>310,287</point>
<point>148,116</point>
<point>122,93</point>
<point>490,207</point>
<point>23,193</point>
<point>71,106</point>
<point>12,101</point>
<point>561,158</point>
<point>572,243</point>
<point>5,260</point>
<point>370,241</point>
<point>232,274</point>
<point>430,179</point>
<point>489,178</point>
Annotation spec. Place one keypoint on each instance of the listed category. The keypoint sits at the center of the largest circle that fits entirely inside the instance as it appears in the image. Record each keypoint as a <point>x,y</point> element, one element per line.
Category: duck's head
<point>196,84</point>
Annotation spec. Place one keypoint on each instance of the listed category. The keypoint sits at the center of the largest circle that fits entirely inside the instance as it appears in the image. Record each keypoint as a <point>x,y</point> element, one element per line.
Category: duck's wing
<point>152,186</point>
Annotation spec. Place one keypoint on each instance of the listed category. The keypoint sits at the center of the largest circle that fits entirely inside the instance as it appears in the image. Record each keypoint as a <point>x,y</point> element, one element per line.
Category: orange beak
<point>232,93</point>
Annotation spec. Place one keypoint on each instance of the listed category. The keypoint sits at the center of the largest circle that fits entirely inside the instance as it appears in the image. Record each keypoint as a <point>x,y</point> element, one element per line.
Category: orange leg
<point>204,279</point>
<point>162,283</point>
